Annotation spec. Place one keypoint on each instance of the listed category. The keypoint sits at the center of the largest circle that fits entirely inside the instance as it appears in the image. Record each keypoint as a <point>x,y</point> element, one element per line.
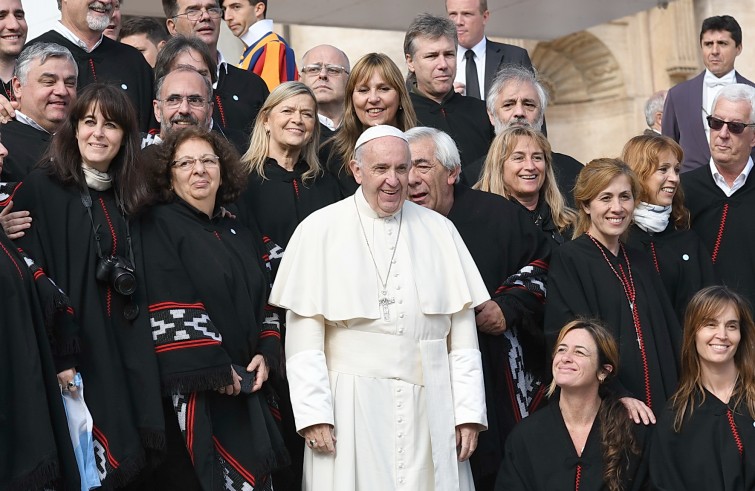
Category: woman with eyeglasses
<point>375,94</point>
<point>597,275</point>
<point>582,440</point>
<point>705,438</point>
<point>82,199</point>
<point>661,221</point>
<point>207,289</point>
<point>285,185</point>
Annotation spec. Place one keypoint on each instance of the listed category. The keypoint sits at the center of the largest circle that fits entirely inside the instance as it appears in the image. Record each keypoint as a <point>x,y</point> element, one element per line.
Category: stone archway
<point>578,68</point>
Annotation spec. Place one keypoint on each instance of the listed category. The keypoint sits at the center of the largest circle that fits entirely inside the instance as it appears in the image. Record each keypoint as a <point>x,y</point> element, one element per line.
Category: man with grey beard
<point>100,59</point>
<point>517,98</point>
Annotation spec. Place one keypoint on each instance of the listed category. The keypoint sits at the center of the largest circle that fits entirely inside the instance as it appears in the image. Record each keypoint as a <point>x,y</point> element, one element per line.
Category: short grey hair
<point>515,73</point>
<point>41,52</point>
<point>736,93</point>
<point>183,68</point>
<point>446,151</point>
<point>653,106</point>
<point>429,26</point>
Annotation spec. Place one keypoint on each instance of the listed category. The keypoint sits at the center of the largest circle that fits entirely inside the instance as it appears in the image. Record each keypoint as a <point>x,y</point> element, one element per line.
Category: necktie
<point>473,84</point>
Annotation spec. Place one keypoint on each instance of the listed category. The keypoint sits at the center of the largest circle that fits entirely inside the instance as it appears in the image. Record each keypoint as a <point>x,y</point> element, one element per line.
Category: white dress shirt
<point>738,182</point>
<point>479,58</point>
<point>68,34</point>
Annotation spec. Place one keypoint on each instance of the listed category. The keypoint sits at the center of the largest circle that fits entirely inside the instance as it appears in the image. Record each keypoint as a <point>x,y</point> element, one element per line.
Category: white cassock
<point>394,382</point>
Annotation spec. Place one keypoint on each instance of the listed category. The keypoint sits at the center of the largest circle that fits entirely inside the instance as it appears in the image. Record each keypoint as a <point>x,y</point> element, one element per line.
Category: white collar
<point>24,119</point>
<point>68,34</point>
<point>256,31</point>
<point>738,182</point>
<point>326,121</point>
<point>479,49</point>
<point>710,80</point>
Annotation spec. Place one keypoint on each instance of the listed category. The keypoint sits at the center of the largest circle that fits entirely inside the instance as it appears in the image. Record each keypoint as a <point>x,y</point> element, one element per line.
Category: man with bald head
<point>385,356</point>
<point>325,69</point>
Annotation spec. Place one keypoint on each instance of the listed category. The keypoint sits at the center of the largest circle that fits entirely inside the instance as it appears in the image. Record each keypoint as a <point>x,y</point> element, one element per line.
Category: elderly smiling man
<point>99,58</point>
<point>381,350</point>
<point>511,255</point>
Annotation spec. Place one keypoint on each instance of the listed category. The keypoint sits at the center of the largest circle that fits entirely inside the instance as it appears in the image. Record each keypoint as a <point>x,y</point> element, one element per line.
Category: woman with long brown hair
<point>583,439</point>
<point>705,438</point>
<point>661,221</point>
<point>596,274</point>
<point>519,167</point>
<point>375,94</point>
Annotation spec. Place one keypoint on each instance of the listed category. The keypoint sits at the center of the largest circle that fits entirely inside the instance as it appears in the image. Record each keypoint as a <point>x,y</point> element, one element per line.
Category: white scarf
<point>652,218</point>
<point>99,181</point>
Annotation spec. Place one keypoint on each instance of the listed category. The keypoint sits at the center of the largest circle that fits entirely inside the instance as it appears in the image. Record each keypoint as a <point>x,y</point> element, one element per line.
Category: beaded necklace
<point>627,283</point>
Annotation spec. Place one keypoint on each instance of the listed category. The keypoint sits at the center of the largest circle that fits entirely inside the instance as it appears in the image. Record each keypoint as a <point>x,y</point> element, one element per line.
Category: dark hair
<point>63,159</point>
<point>155,31</point>
<point>723,23</point>
<point>233,177</point>
<point>706,305</point>
<point>617,438</point>
<point>181,44</point>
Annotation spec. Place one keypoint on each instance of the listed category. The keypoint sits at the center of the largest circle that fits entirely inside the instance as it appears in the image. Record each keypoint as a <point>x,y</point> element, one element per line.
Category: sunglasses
<point>736,128</point>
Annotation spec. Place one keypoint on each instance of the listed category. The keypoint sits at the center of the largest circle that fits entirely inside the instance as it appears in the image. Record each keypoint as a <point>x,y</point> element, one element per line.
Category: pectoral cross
<point>384,302</point>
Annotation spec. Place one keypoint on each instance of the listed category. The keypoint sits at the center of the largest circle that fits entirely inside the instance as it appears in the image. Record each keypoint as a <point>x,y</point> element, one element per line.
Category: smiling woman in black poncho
<point>207,289</point>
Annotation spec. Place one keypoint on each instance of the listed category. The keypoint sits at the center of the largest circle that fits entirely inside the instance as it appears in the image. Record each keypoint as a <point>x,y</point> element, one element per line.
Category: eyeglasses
<point>734,127</point>
<point>209,161</point>
<point>195,14</point>
<point>173,101</point>
<point>316,69</point>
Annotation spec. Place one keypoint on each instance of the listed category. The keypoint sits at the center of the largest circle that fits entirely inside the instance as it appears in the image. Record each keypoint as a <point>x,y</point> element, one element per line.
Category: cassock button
<point>401,435</point>
<point>401,466</point>
<point>400,420</point>
<point>400,450</point>
<point>391,248</point>
<point>685,257</point>
<point>235,97</point>
<point>398,404</point>
<point>401,330</point>
<point>398,390</point>
<point>401,481</point>
<point>393,262</point>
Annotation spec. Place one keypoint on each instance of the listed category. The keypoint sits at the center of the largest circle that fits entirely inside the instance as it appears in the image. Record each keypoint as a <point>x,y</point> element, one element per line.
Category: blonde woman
<point>519,167</point>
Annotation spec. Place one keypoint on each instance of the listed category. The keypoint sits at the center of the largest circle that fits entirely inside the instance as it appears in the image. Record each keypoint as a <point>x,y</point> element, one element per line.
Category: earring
<point>400,108</point>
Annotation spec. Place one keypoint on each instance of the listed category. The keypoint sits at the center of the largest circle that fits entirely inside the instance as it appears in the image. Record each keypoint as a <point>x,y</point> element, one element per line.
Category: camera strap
<point>86,200</point>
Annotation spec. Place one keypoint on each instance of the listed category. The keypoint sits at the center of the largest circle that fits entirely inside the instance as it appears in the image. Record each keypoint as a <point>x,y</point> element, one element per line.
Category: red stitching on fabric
<point>720,234</point>
<point>91,67</point>
<point>110,225</point>
<point>296,188</point>
<point>578,477</point>
<point>20,274</point>
<point>217,235</point>
<point>734,432</point>
<point>221,110</point>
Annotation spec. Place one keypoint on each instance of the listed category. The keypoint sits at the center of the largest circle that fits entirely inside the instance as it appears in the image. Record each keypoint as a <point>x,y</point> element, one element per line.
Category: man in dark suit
<point>470,17</point>
<point>689,103</point>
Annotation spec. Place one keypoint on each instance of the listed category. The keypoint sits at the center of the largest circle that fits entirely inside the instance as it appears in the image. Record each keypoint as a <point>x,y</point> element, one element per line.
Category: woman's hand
<point>320,438</point>
<point>14,223</point>
<point>258,363</point>
<point>638,411</point>
<point>234,388</point>
<point>466,440</point>
<point>65,381</point>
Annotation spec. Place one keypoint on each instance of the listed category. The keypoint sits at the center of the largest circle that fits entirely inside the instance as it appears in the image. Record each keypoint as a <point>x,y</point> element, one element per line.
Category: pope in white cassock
<point>381,345</point>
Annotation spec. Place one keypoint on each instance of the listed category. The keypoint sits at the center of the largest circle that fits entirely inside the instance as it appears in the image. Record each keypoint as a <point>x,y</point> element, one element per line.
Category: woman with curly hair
<point>375,94</point>
<point>207,289</point>
<point>583,439</point>
<point>705,437</point>
<point>519,167</point>
<point>661,221</point>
